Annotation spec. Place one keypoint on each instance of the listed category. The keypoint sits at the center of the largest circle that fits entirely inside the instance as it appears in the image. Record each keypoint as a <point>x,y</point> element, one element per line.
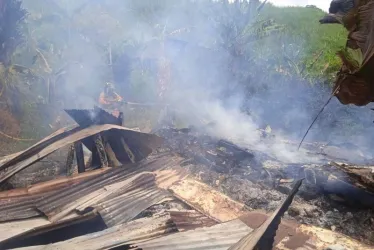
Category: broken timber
<point>144,143</point>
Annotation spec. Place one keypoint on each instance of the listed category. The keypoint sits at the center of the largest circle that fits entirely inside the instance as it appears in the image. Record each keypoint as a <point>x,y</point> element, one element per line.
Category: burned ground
<point>328,199</point>
<point>190,184</point>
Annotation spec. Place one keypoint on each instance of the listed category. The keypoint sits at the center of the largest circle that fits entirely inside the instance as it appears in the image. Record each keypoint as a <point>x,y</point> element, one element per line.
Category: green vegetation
<point>315,45</point>
<point>70,48</point>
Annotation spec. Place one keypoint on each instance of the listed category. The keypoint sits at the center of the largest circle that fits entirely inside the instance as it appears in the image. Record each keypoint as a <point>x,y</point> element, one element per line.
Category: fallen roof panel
<point>190,219</point>
<point>51,197</point>
<point>21,208</point>
<point>147,233</point>
<point>70,198</point>
<point>135,231</point>
<point>40,227</point>
<point>10,229</point>
<point>21,203</point>
<point>143,141</point>
<point>127,206</point>
<point>44,187</point>
<point>20,156</point>
<point>220,236</point>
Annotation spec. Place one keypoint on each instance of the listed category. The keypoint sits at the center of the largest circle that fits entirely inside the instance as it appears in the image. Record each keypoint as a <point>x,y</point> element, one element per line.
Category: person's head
<point>341,6</point>
<point>109,88</point>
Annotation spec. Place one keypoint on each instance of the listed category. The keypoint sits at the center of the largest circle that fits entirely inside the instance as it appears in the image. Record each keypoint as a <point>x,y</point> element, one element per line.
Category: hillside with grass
<point>313,46</point>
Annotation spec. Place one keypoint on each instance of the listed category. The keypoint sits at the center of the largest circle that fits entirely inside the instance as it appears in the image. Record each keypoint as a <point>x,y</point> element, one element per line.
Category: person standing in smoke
<point>110,100</point>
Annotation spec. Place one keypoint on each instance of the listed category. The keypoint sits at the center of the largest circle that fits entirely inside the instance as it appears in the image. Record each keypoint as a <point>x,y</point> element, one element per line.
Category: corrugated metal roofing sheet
<point>146,233</point>
<point>21,203</point>
<point>10,229</point>
<point>44,187</point>
<point>40,226</point>
<point>190,219</point>
<point>51,197</point>
<point>135,231</point>
<point>217,237</point>
<point>142,143</point>
<point>19,208</point>
<point>127,206</point>
<point>70,198</point>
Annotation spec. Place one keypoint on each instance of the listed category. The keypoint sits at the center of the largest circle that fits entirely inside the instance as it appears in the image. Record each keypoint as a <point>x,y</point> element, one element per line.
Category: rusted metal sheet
<point>68,199</point>
<point>144,143</point>
<point>119,195</point>
<point>147,234</point>
<point>54,197</point>
<point>47,186</point>
<point>21,203</point>
<point>190,220</point>
<point>40,227</point>
<point>10,229</point>
<point>165,178</point>
<point>16,209</point>
<point>57,205</point>
<point>208,201</point>
<point>127,206</point>
<point>130,233</point>
<point>142,180</point>
<point>107,191</point>
<point>220,236</point>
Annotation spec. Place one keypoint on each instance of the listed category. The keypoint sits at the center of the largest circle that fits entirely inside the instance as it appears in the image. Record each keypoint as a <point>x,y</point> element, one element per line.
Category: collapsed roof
<point>197,215</point>
<point>152,202</point>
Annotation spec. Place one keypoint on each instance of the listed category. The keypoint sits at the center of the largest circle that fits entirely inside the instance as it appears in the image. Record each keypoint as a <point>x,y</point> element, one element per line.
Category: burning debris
<point>193,190</point>
<point>330,191</point>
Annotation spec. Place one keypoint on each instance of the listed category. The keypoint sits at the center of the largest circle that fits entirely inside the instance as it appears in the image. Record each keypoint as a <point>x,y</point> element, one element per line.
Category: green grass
<point>301,25</point>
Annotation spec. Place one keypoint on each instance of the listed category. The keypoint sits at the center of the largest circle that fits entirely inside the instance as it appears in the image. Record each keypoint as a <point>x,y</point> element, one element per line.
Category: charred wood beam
<point>99,153</point>
<point>112,159</point>
<point>70,160</point>
<point>128,150</point>
<point>263,237</point>
<point>349,193</point>
<point>79,156</point>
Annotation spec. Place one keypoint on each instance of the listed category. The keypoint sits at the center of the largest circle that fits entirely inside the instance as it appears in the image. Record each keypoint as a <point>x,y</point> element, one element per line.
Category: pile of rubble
<point>335,196</point>
<point>186,191</point>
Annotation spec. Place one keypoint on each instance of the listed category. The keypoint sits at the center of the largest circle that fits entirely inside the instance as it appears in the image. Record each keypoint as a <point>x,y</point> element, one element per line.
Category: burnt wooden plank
<point>79,156</point>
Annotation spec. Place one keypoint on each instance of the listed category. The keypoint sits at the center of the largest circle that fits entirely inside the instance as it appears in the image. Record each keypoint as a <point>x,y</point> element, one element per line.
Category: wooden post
<point>120,119</point>
<point>70,160</point>
<point>112,159</point>
<point>101,150</point>
<point>128,150</point>
<point>79,156</point>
